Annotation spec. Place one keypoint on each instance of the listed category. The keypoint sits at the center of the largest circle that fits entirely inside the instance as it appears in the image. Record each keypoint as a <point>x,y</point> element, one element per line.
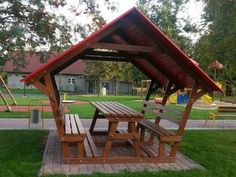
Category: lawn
<point>21,154</point>
<point>87,111</point>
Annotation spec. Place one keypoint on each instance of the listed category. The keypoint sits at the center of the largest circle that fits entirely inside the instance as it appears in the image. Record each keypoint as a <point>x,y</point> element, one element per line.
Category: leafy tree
<point>35,25</point>
<point>164,14</point>
<point>219,41</point>
<point>27,25</point>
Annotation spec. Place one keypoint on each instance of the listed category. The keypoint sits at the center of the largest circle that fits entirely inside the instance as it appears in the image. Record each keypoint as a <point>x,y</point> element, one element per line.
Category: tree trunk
<point>98,86</point>
<point>117,85</point>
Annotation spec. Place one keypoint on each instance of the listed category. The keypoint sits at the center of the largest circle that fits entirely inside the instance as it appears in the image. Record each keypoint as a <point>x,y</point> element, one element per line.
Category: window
<point>71,80</point>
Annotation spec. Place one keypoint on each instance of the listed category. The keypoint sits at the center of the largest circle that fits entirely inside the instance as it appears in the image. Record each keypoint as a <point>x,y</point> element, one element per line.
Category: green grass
<point>87,110</point>
<point>21,155</point>
<point>22,91</point>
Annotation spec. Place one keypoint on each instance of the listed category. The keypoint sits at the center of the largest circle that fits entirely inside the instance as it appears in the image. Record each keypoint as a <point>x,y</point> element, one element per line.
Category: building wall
<point>81,85</point>
<point>63,84</point>
<point>13,81</point>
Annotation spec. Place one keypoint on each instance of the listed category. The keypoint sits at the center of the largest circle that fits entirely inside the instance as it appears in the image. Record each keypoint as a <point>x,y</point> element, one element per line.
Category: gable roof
<point>33,63</point>
<point>134,38</point>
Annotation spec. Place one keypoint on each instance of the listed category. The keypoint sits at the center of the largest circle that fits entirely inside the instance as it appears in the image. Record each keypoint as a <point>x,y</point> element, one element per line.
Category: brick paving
<point>10,123</point>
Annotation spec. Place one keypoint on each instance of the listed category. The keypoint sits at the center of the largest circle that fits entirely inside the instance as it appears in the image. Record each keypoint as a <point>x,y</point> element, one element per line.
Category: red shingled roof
<point>34,63</point>
<point>143,44</point>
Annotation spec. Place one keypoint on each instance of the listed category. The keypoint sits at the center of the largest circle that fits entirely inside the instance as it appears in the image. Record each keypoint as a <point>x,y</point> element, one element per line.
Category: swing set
<point>2,82</point>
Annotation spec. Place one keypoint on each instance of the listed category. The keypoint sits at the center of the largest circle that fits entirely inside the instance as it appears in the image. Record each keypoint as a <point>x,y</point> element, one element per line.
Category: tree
<point>35,25</point>
<point>219,41</point>
<point>164,14</point>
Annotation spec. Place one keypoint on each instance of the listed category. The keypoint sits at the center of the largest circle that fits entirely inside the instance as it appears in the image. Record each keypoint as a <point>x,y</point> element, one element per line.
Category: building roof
<point>132,37</point>
<point>33,63</point>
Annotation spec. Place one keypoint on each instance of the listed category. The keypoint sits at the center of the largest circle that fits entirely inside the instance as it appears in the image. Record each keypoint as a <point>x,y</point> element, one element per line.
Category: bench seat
<point>165,135</point>
<point>221,112</point>
<point>74,134</point>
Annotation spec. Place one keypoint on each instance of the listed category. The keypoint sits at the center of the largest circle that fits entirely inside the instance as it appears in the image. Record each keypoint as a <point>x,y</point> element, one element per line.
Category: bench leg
<point>65,150</point>
<point>161,150</point>
<point>142,134</point>
<point>80,149</point>
<point>151,138</point>
<point>174,149</point>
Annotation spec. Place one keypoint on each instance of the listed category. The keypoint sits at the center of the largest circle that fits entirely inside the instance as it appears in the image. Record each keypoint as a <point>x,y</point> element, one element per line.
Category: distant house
<point>71,79</point>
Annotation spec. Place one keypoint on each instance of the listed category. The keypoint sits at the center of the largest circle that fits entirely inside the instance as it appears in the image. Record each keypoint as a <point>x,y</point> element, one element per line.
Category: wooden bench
<point>73,135</point>
<point>164,135</point>
<point>221,112</point>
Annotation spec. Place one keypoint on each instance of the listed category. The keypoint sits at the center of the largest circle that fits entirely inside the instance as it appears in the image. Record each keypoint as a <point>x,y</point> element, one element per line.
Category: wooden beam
<point>109,54</point>
<point>151,34</point>
<point>66,57</point>
<point>128,39</point>
<point>122,47</point>
<point>104,58</point>
<point>39,85</point>
<point>50,83</point>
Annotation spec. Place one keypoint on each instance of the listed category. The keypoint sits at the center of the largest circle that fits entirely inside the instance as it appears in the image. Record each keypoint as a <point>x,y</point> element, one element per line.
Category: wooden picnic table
<point>115,113</point>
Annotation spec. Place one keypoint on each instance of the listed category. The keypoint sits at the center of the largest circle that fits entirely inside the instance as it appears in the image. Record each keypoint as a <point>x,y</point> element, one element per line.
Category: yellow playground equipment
<point>173,98</point>
<point>9,93</point>
<point>207,99</point>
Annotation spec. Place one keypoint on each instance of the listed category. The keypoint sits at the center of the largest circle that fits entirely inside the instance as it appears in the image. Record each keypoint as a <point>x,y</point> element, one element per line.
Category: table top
<point>115,109</point>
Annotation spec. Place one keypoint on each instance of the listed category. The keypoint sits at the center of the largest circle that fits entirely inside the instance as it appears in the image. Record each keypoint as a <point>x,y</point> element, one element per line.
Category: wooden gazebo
<point>133,38</point>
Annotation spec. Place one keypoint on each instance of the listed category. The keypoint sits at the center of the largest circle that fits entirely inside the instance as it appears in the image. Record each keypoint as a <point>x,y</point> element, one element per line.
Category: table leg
<point>112,130</point>
<point>132,129</point>
<point>91,130</point>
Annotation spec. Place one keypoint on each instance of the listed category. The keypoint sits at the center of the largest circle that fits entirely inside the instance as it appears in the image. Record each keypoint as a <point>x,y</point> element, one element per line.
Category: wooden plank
<point>114,109</point>
<point>103,109</point>
<point>67,124</point>
<point>147,150</point>
<point>92,144</point>
<point>73,125</point>
<point>122,47</point>
<point>155,127</point>
<point>87,149</point>
<point>167,117</point>
<point>106,107</point>
<point>162,107</point>
<point>79,124</point>
<point>126,107</point>
<point>126,111</point>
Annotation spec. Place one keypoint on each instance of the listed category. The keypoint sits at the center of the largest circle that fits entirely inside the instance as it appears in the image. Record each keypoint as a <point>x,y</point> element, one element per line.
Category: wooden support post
<point>49,88</point>
<point>195,94</point>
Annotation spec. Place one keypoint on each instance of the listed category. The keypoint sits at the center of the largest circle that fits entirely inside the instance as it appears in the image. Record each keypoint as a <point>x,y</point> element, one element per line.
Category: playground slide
<point>206,99</point>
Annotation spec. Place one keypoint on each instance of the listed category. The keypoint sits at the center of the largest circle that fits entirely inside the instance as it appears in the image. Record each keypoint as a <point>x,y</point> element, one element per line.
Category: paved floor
<point>50,124</point>
<point>53,161</point>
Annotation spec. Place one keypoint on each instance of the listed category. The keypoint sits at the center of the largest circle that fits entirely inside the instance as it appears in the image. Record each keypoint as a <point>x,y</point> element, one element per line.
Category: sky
<point>192,10</point>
